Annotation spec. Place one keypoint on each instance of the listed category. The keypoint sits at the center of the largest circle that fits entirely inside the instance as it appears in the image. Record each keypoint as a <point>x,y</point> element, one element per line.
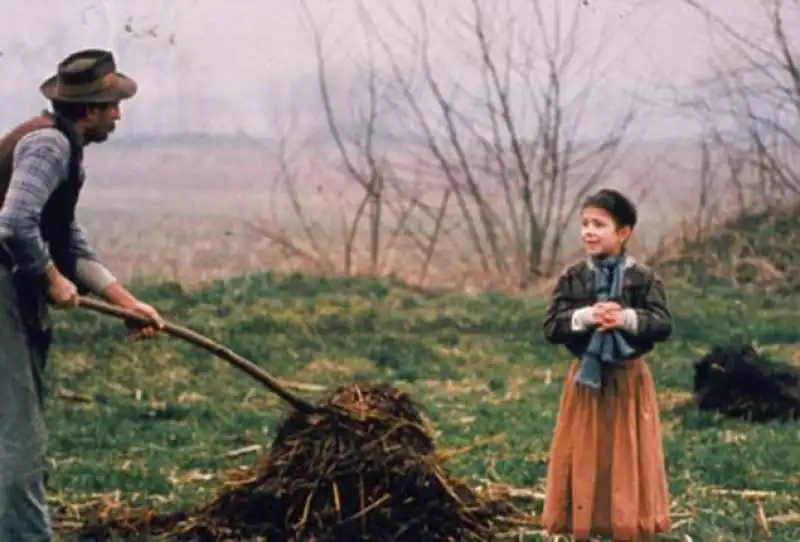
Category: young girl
<point>606,475</point>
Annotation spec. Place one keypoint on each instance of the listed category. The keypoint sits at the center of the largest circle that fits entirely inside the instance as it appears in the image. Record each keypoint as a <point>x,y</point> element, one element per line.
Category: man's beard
<point>99,136</point>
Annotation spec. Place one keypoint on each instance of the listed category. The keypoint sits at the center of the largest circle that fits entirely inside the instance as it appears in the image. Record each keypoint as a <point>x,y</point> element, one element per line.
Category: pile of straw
<point>364,468</point>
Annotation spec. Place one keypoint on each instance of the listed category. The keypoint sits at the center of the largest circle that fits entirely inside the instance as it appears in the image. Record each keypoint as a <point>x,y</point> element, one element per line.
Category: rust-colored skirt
<point>606,476</point>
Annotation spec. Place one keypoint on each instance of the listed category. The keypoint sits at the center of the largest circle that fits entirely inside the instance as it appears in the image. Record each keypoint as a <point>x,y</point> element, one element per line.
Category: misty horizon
<point>219,71</point>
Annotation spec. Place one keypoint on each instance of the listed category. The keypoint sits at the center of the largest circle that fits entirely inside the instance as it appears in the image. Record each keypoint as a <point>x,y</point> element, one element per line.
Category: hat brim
<point>123,89</point>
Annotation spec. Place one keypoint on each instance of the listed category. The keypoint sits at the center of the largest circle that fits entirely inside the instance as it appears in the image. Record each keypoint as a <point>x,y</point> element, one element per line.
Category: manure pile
<point>738,381</point>
<point>363,468</point>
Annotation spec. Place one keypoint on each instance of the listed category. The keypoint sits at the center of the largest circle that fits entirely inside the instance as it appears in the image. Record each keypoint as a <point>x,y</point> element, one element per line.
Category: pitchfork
<point>218,350</point>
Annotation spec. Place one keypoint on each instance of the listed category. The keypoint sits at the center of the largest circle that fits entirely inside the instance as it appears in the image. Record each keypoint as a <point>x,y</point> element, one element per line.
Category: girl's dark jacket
<point>642,290</point>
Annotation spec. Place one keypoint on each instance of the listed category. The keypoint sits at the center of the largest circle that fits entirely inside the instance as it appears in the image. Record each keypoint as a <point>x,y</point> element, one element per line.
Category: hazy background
<point>226,68</point>
<point>222,82</point>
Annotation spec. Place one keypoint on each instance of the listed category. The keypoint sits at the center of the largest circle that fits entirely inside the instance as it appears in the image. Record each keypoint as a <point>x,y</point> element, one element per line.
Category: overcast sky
<point>227,66</point>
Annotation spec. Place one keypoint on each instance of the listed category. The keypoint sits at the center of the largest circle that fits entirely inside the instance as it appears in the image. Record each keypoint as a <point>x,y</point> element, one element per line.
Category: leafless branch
<point>756,98</point>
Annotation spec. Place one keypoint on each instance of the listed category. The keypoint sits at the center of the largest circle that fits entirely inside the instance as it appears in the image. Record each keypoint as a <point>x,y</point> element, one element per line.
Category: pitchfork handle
<point>203,342</point>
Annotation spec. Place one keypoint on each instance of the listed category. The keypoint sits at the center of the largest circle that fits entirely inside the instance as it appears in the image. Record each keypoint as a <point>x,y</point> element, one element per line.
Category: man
<point>45,258</point>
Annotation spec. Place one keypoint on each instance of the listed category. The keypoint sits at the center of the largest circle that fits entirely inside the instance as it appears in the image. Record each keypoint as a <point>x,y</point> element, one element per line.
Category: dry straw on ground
<point>362,469</point>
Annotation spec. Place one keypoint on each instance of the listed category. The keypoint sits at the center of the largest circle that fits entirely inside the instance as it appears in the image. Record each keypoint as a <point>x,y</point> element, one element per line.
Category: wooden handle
<point>218,350</point>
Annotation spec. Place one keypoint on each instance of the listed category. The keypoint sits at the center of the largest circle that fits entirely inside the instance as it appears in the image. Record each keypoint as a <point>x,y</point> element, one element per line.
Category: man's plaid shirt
<point>40,164</point>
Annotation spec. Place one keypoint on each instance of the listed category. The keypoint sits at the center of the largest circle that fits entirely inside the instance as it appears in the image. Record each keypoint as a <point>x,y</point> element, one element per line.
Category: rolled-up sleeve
<point>94,275</point>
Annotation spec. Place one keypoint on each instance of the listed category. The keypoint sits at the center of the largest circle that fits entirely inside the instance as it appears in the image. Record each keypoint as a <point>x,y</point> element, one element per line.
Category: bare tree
<point>507,144</point>
<point>356,189</point>
<point>482,171</point>
<point>751,104</point>
<point>366,164</point>
<point>749,110</point>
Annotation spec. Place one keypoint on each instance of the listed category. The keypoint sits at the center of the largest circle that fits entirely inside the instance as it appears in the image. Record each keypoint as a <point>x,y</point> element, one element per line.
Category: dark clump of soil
<point>362,469</point>
<point>739,382</point>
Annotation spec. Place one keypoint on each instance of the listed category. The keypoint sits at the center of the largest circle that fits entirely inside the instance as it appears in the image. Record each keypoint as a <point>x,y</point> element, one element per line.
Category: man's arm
<point>102,283</point>
<point>40,163</point>
<point>41,160</point>
<point>89,270</point>
<point>93,274</point>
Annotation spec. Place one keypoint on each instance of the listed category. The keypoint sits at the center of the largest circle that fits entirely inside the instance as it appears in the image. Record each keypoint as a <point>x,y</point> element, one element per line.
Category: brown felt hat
<point>89,76</point>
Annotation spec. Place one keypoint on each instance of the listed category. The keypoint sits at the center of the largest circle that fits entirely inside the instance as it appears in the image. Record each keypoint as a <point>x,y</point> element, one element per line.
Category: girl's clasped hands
<point>608,315</point>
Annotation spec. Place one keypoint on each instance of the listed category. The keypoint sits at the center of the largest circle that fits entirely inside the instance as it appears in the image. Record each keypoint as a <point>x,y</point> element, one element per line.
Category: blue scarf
<point>604,346</point>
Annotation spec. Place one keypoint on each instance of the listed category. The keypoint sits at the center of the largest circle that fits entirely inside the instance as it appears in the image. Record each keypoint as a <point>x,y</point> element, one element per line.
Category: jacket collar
<point>629,262</point>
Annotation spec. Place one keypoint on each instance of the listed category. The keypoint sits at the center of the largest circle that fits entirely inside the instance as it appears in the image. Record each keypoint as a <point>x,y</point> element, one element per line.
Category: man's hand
<point>118,295</point>
<point>62,291</point>
<point>144,331</point>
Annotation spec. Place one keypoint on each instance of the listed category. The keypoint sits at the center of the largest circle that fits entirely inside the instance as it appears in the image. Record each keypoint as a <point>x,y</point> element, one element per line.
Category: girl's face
<point>600,234</point>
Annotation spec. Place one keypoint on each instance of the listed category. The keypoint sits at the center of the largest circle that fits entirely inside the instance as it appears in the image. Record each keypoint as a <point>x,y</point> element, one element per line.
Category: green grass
<point>750,251</point>
<point>165,411</point>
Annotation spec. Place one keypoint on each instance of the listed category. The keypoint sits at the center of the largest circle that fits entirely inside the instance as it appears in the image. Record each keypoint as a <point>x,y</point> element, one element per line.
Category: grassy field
<point>164,418</point>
